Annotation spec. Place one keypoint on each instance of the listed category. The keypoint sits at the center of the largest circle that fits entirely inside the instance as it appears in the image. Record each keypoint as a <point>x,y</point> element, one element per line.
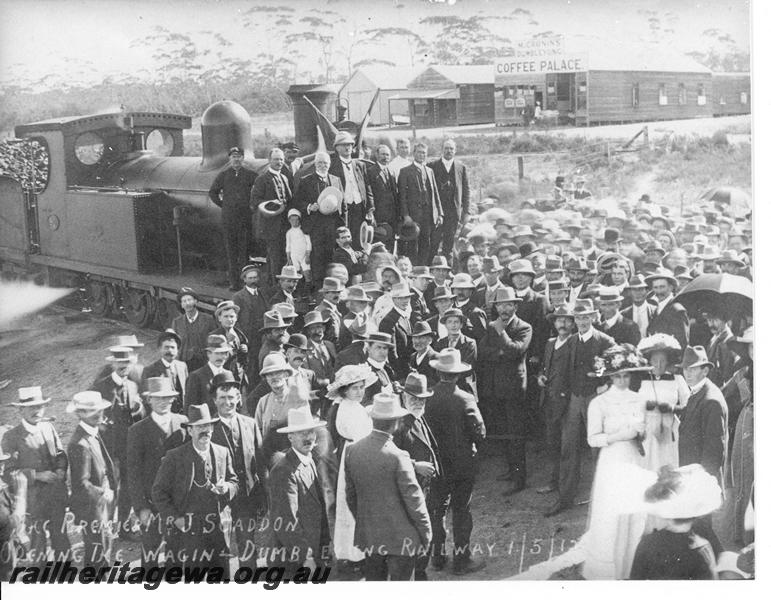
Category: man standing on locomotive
<point>231,191</point>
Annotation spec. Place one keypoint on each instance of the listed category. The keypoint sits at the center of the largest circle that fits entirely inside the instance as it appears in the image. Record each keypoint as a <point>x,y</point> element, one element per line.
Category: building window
<point>662,94</point>
<point>722,100</point>
<point>635,94</point>
<point>743,97</point>
<point>681,96</point>
<point>701,95</point>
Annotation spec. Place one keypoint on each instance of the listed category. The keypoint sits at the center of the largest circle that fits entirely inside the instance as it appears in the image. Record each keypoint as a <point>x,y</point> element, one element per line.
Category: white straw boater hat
<point>386,406</point>
<point>31,396</point>
<point>348,375</point>
<point>87,401</point>
<point>300,419</point>
<point>684,493</point>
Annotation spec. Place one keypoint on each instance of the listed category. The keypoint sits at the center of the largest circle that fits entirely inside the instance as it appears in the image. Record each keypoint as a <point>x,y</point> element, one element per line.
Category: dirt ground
<point>62,349</point>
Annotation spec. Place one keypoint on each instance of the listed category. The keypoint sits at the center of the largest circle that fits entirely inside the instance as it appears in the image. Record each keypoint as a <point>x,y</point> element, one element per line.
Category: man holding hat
<point>192,490</point>
<point>385,194</point>
<point>148,442</point>
<point>193,327</point>
<point>621,329</point>
<point>454,193</point>
<point>669,317</point>
<point>168,366</point>
<point>37,455</point>
<point>243,440</point>
<point>297,499</point>
<point>453,417</point>
<point>253,301</point>
<point>125,409</point>
<point>378,474</point>
<point>92,478</point>
<point>398,324</point>
<point>197,388</point>
<point>503,382</point>
<point>231,191</point>
<point>357,193</point>
<point>270,198</point>
<point>320,225</point>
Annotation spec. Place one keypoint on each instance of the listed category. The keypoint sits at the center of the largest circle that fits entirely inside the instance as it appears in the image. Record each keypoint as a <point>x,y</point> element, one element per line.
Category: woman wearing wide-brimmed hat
<point>665,393</point>
<point>615,425</point>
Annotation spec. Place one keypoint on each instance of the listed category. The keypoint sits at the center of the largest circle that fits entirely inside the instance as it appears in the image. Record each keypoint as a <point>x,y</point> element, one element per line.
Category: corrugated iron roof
<point>388,78</point>
<point>434,94</point>
<point>470,74</point>
<point>602,55</point>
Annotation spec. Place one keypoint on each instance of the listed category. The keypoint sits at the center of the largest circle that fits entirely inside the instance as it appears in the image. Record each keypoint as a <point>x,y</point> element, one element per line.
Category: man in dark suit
<point>226,314</point>
<point>476,320</point>
<point>192,327</point>
<point>269,227</point>
<point>453,321</point>
<point>297,499</point>
<point>454,194</point>
<point>453,417</point>
<point>483,297</point>
<point>640,311</point>
<point>148,442</point>
<point>93,479</point>
<point>231,190</point>
<point>420,360</point>
<point>719,350</point>
<point>197,388</point>
<point>621,329</point>
<point>415,438</point>
<point>397,323</point>
<point>379,475</point>
<point>168,366</point>
<point>669,317</point>
<point>704,423</point>
<point>385,192</point>
<point>356,352</point>
<point>125,409</point>
<point>503,382</point>
<point>192,490</point>
<point>135,370</point>
<point>357,193</point>
<point>320,227</point>
<point>379,346</point>
<point>442,272</point>
<point>354,261</point>
<point>254,301</point>
<point>589,344</point>
<point>37,457</point>
<point>419,202</point>
<point>243,440</point>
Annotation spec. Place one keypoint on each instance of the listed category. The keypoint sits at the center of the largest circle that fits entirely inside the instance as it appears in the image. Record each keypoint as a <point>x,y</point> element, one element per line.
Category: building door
<point>565,93</point>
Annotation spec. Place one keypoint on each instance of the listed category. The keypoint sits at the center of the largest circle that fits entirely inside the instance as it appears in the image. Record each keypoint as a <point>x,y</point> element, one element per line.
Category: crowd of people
<point>350,422</point>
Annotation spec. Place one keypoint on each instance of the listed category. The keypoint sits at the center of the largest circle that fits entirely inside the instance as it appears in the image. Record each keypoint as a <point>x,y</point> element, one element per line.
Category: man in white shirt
<point>402,158</point>
<point>641,310</point>
<point>197,388</point>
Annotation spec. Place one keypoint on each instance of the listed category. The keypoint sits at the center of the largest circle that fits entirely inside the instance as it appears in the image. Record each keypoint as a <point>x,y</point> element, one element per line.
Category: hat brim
<point>209,421</point>
<point>400,412</point>
<point>700,363</point>
<point>276,370</point>
<point>554,316</point>
<point>38,402</point>
<point>72,407</point>
<point>218,348</point>
<point>651,278</point>
<point>459,368</point>
<point>113,359</point>
<point>166,394</point>
<point>620,371</point>
<point>296,428</point>
<point>610,300</point>
<point>290,277</point>
<point>371,341</point>
<point>515,300</point>
<point>426,394</point>
<point>422,333</point>
<point>269,327</point>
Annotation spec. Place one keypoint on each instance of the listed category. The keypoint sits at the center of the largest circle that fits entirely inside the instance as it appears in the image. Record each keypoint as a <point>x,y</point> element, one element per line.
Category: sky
<point>86,40</point>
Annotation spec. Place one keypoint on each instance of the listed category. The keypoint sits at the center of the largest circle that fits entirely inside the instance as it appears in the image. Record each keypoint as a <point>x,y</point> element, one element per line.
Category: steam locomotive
<point>124,216</point>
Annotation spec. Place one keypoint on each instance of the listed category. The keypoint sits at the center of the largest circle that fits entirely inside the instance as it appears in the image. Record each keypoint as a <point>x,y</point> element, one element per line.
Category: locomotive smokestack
<point>323,98</point>
<point>224,125</point>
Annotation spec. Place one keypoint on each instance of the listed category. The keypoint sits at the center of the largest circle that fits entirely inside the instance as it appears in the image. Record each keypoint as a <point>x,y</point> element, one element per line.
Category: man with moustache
<point>454,194</point>
<point>357,193</point>
<point>453,321</point>
<point>379,345</point>
<point>193,327</point>
<point>420,279</point>
<point>476,320</point>
<point>192,490</point>
<point>37,456</point>
<point>321,356</point>
<point>719,350</point>
<point>253,301</point>
<point>197,388</point>
<point>640,311</point>
<point>297,500</point>
<point>355,261</point>
<point>148,441</point>
<point>358,303</point>
<point>483,297</point>
<point>669,317</point>
<point>385,193</point>
<point>168,366</point>
<point>287,284</point>
<point>330,297</point>
<point>226,314</point>
<point>422,336</point>
<point>621,329</point>
<point>398,324</point>
<point>275,333</point>
<point>243,440</point>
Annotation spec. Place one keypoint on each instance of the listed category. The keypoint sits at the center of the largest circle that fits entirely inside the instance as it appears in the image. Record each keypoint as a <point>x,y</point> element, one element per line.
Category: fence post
<point>521,166</point>
<point>608,153</point>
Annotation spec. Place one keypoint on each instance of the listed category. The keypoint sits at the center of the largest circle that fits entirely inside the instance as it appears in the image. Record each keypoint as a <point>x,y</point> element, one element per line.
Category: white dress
<point>352,423</point>
<point>661,429</point>
<point>613,534</point>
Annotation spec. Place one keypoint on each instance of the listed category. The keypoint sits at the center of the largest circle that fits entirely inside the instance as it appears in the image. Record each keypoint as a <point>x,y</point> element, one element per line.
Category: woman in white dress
<point>615,425</point>
<point>348,422</point>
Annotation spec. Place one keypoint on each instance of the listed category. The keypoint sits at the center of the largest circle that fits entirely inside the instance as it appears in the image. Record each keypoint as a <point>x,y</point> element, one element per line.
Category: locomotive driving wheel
<point>139,307</point>
<point>100,298</point>
<point>165,313</point>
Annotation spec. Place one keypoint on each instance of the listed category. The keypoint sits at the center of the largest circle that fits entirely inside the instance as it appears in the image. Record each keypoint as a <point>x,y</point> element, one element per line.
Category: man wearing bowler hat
<point>420,204</point>
<point>93,479</point>
<point>125,409</point>
<point>320,218</point>
<point>231,191</point>
<point>192,491</point>
<point>379,346</point>
<point>168,366</point>
<point>422,336</point>
<point>243,440</point>
<point>148,442</point>
<point>503,382</point>
<point>357,192</point>
<point>358,303</point>
<point>197,388</point>
<point>270,199</point>
<point>453,417</point>
<point>37,456</point>
<point>378,475</point>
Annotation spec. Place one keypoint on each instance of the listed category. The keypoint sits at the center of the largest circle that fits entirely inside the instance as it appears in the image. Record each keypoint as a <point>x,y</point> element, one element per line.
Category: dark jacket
<point>91,473</point>
<point>307,193</point>
<point>624,331</point>
<point>385,194</point>
<point>197,389</point>
<point>468,354</point>
<point>721,355</point>
<point>454,419</point>
<point>502,358</point>
<point>354,268</point>
<point>673,321</point>
<point>557,390</point>
<point>147,445</point>
<point>253,307</point>
<point>355,354</point>
<point>193,336</point>
<point>400,328</point>
<point>267,187</point>
<point>425,368</point>
<point>415,438</point>
<point>231,191</point>
<point>121,415</point>
<point>476,320</point>
<point>582,362</point>
<point>158,369</point>
<point>419,199</point>
<point>458,207</point>
<point>236,362</point>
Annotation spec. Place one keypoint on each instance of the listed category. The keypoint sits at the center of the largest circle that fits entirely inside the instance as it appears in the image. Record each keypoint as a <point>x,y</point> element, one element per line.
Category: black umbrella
<point>739,200</point>
<point>730,295</point>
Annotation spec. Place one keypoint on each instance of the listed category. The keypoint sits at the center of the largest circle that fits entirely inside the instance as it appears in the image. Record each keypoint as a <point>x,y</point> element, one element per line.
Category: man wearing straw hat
<point>135,370</point>
<point>168,366</point>
<point>38,456</point>
<point>297,499</point>
<point>357,193</point>
<point>621,329</point>
<point>453,417</point>
<point>192,491</point>
<point>148,441</point>
<point>669,317</point>
<point>92,478</point>
<point>197,388</point>
<point>125,409</point>
<point>358,302</point>
<point>380,475</point>
<point>398,324</point>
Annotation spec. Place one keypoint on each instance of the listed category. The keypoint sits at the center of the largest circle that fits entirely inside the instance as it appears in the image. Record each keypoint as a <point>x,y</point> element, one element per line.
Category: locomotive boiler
<point>123,214</point>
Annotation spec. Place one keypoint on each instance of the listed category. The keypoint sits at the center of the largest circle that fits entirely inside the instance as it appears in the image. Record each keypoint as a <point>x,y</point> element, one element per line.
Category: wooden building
<point>445,96</point>
<point>731,94</point>
<point>607,85</point>
<point>379,84</point>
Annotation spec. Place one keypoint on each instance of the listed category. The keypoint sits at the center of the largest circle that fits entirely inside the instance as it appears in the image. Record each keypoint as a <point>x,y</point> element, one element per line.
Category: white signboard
<point>539,48</point>
<point>507,69</point>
